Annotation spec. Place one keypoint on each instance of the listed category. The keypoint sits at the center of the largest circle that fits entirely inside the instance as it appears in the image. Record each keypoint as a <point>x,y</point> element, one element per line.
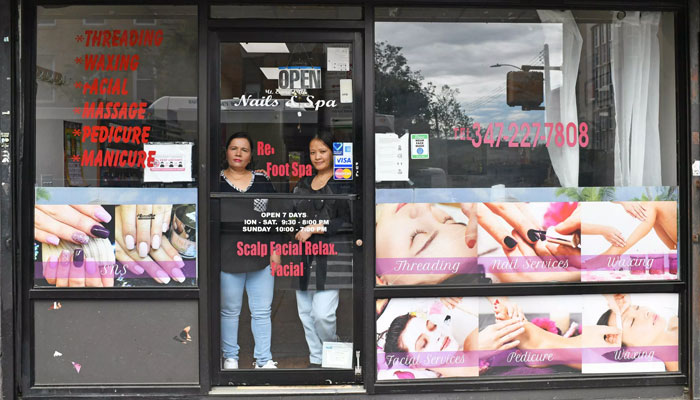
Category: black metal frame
<point>221,35</point>
<point>15,282</point>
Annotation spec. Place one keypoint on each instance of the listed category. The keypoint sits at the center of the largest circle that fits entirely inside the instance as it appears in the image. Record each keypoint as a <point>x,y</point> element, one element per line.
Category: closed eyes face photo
<point>238,153</point>
<point>640,326</point>
<point>420,230</point>
<point>422,335</point>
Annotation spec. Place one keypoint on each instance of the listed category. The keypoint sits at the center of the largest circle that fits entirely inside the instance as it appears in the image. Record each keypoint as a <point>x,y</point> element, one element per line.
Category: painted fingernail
<point>165,227</point>
<point>102,215</point>
<point>471,243</point>
<point>137,269</point>
<point>65,256</point>
<point>510,242</point>
<point>130,243</point>
<point>155,243</point>
<point>178,275</point>
<point>143,249</point>
<point>532,234</point>
<point>90,267</point>
<point>78,257</point>
<point>80,237</point>
<point>164,278</point>
<point>100,231</point>
<point>179,261</point>
<point>53,260</point>
<point>53,239</point>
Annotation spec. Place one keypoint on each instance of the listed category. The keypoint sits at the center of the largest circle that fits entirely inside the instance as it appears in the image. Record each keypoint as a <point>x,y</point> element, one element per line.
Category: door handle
<point>358,242</point>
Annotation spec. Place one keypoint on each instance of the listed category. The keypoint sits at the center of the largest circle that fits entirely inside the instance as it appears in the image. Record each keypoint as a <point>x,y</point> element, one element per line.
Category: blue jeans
<point>317,314</point>
<point>260,286</point>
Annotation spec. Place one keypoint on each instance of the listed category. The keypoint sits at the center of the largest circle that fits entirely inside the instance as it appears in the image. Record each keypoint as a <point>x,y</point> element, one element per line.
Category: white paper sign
<point>391,157</point>
<point>173,162</point>
<point>338,58</point>
<point>696,168</point>
<point>336,355</point>
<point>346,90</point>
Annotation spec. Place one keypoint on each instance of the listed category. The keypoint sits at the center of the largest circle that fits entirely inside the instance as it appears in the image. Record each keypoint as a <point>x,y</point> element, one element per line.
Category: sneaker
<point>230,363</point>
<point>268,364</point>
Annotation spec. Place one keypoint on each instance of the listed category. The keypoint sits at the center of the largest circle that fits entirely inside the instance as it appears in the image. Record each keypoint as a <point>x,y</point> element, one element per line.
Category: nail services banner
<point>93,237</point>
<point>452,242</point>
<point>428,338</point>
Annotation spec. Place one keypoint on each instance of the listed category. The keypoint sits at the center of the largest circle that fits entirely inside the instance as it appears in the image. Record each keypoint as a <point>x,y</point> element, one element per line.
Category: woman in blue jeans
<point>317,305</point>
<point>249,273</point>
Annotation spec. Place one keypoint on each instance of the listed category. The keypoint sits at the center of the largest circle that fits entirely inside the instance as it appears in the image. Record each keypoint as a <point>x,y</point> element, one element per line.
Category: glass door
<point>285,217</point>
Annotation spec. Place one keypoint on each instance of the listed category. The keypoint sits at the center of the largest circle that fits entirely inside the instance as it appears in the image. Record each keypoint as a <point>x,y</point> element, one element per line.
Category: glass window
<point>282,117</point>
<point>525,146</point>
<point>116,139</point>
<point>286,12</point>
<point>469,337</point>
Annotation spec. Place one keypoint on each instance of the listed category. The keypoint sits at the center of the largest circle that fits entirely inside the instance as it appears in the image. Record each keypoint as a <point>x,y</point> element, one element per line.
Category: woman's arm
<point>639,232</point>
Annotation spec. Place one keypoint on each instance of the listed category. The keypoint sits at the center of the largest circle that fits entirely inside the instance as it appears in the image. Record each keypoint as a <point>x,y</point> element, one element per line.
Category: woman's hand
<point>450,302</point>
<point>504,309</point>
<point>161,263</point>
<point>501,335</point>
<point>518,216</point>
<point>635,209</point>
<point>143,226</point>
<point>73,223</point>
<point>304,234</point>
<point>596,336</point>
<point>74,270</point>
<point>470,236</point>
<point>613,236</point>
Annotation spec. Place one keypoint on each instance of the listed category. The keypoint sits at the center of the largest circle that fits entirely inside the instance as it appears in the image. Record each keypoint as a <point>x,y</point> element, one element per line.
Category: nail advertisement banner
<point>423,338</point>
<point>453,242</point>
<point>115,237</point>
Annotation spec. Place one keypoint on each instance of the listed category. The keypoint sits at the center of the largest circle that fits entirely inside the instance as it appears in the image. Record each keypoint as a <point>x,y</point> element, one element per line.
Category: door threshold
<point>286,390</point>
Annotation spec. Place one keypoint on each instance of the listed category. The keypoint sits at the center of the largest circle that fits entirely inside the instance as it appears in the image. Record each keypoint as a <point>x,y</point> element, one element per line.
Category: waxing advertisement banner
<point>423,338</point>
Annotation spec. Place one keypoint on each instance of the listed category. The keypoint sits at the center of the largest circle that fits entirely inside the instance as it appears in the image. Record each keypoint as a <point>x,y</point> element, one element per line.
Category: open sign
<point>299,78</point>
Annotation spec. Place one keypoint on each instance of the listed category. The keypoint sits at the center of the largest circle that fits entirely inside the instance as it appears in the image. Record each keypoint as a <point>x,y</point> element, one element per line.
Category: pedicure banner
<point>503,242</point>
<point>424,338</point>
<point>139,238</point>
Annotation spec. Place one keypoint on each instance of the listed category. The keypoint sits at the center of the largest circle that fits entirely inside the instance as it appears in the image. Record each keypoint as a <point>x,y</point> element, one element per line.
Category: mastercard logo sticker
<point>343,173</point>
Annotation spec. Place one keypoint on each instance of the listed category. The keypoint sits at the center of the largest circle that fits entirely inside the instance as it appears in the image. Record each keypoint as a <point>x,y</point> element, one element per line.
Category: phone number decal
<point>530,134</point>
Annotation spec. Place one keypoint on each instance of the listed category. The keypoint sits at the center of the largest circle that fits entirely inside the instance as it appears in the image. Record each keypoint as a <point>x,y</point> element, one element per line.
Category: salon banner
<point>424,338</point>
<point>106,237</point>
<point>453,242</point>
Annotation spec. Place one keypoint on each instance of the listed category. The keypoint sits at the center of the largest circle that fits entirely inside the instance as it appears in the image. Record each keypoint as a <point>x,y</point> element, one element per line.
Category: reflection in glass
<point>602,119</point>
<point>135,55</point>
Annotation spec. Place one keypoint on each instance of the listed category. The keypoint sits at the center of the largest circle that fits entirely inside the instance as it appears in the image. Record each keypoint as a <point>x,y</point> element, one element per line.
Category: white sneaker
<point>230,363</point>
<point>268,364</point>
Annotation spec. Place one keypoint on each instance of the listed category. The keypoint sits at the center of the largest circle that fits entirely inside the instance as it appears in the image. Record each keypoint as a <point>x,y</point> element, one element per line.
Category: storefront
<point>350,197</point>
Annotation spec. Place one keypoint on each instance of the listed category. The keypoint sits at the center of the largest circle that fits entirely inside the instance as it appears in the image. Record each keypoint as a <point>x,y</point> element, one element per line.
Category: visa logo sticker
<point>342,161</point>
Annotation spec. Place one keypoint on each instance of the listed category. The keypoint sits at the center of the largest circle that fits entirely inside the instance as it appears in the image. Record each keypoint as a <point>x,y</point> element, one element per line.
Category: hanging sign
<point>299,77</point>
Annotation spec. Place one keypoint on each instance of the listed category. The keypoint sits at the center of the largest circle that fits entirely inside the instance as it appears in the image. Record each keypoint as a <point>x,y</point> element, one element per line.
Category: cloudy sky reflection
<point>460,55</point>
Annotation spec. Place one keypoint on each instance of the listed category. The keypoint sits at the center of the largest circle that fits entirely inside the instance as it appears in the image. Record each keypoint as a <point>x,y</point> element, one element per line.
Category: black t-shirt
<point>233,214</point>
<point>336,212</point>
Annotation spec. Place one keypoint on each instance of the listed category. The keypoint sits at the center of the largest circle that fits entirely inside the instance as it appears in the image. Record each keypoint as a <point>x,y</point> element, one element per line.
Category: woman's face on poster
<point>640,326</point>
<point>238,153</point>
<point>420,230</point>
<point>423,335</point>
<point>320,154</point>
